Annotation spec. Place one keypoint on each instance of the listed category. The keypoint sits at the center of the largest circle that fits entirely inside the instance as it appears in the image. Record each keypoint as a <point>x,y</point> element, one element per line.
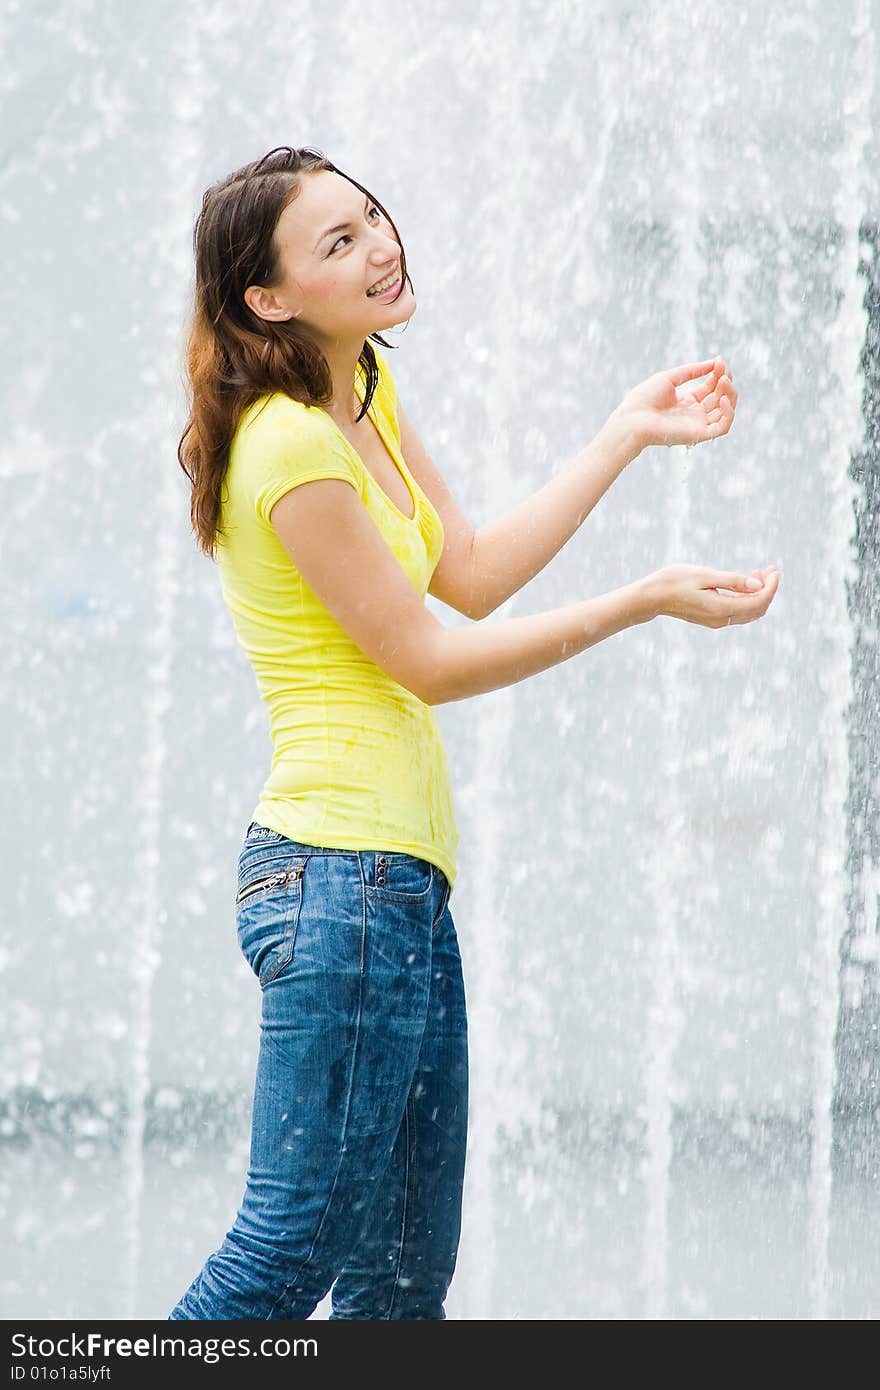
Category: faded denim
<point>360,1101</point>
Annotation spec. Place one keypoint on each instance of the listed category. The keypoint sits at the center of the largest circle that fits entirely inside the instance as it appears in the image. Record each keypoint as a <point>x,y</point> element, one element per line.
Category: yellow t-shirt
<point>358,760</point>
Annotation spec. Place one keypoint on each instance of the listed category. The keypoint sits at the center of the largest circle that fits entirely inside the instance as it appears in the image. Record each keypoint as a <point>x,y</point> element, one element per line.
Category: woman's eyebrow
<point>341,228</point>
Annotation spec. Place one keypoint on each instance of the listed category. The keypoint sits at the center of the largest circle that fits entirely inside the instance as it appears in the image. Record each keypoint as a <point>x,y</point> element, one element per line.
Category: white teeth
<point>385,284</point>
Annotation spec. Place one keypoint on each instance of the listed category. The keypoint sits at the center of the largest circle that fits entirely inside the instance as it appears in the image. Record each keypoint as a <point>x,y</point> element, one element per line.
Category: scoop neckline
<point>403,471</point>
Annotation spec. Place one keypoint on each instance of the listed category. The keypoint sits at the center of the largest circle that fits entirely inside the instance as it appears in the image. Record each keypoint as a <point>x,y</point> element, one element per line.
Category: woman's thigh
<point>343,1019</point>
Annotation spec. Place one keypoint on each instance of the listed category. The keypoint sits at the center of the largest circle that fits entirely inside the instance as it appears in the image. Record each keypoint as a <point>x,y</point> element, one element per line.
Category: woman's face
<point>334,245</point>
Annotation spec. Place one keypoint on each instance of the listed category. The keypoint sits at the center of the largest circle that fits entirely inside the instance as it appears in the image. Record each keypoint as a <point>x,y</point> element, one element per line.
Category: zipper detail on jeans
<point>279,878</point>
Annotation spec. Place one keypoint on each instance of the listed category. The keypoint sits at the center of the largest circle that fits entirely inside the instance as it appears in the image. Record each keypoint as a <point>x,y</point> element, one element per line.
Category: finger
<point>768,593</point>
<point>769,582</point>
<point>736,581</point>
<point>724,391</point>
<point>718,427</point>
<point>766,574</point>
<point>701,393</point>
<point>721,419</point>
<point>707,387</point>
<point>740,610</point>
<point>679,375</point>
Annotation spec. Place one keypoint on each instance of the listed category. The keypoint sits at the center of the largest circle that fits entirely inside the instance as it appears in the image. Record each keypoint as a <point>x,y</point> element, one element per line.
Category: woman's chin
<point>405,309</point>
<point>397,312</point>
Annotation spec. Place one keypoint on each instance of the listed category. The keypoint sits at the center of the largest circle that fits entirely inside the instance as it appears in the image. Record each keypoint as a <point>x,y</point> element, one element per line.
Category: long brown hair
<point>233,356</point>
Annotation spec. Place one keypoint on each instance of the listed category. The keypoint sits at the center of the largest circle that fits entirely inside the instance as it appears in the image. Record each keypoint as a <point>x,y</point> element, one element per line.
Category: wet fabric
<point>358,760</point>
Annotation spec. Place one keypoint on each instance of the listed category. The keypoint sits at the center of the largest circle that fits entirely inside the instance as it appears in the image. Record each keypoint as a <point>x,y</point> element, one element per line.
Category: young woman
<point>330,523</point>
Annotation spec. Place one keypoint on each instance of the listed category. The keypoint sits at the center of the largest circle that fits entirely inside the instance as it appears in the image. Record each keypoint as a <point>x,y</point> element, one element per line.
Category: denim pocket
<point>267,909</point>
<point>256,832</point>
<point>444,899</point>
<point>403,877</point>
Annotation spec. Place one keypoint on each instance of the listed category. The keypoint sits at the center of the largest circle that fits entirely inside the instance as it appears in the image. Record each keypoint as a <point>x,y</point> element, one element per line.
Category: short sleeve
<point>295,445</point>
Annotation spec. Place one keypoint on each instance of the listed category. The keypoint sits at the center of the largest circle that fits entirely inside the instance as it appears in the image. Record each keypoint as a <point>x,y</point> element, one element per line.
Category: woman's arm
<point>480,569</point>
<point>344,559</point>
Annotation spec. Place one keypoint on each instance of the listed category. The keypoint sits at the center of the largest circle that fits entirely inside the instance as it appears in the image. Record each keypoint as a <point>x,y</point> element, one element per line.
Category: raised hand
<point>665,409</point>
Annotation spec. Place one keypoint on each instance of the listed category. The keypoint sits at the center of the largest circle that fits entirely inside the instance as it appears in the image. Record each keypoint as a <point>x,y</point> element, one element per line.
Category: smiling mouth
<point>384,286</point>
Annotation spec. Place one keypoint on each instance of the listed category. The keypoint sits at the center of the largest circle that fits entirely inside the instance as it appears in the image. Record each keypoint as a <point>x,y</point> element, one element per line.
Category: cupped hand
<point>714,598</point>
<point>665,409</point>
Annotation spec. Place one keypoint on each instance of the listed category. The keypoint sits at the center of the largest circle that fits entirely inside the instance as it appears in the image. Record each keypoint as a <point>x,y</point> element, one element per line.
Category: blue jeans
<point>360,1101</point>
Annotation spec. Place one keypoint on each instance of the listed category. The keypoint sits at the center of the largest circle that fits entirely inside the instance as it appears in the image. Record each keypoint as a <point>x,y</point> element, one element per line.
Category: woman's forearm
<point>480,657</point>
<point>511,550</point>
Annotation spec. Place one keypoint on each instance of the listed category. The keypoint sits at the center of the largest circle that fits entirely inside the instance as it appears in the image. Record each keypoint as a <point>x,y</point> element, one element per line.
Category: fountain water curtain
<point>843,403</point>
<point>170,272</point>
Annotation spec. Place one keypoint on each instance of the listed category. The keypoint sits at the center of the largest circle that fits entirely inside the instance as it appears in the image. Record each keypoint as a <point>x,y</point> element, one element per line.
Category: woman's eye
<point>348,238</point>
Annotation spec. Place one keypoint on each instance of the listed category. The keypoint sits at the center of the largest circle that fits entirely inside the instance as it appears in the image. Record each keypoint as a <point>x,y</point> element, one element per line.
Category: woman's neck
<point>342,359</point>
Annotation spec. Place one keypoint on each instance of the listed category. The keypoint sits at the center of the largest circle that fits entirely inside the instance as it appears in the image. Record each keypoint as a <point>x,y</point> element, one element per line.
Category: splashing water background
<point>669,871</point>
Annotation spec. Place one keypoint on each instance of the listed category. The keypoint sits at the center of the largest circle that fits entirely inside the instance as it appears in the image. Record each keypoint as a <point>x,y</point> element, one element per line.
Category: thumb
<point>741,582</point>
<point>689,371</point>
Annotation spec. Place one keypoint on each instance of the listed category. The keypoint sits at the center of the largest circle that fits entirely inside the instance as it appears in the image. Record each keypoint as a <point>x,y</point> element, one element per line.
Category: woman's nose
<point>387,249</point>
